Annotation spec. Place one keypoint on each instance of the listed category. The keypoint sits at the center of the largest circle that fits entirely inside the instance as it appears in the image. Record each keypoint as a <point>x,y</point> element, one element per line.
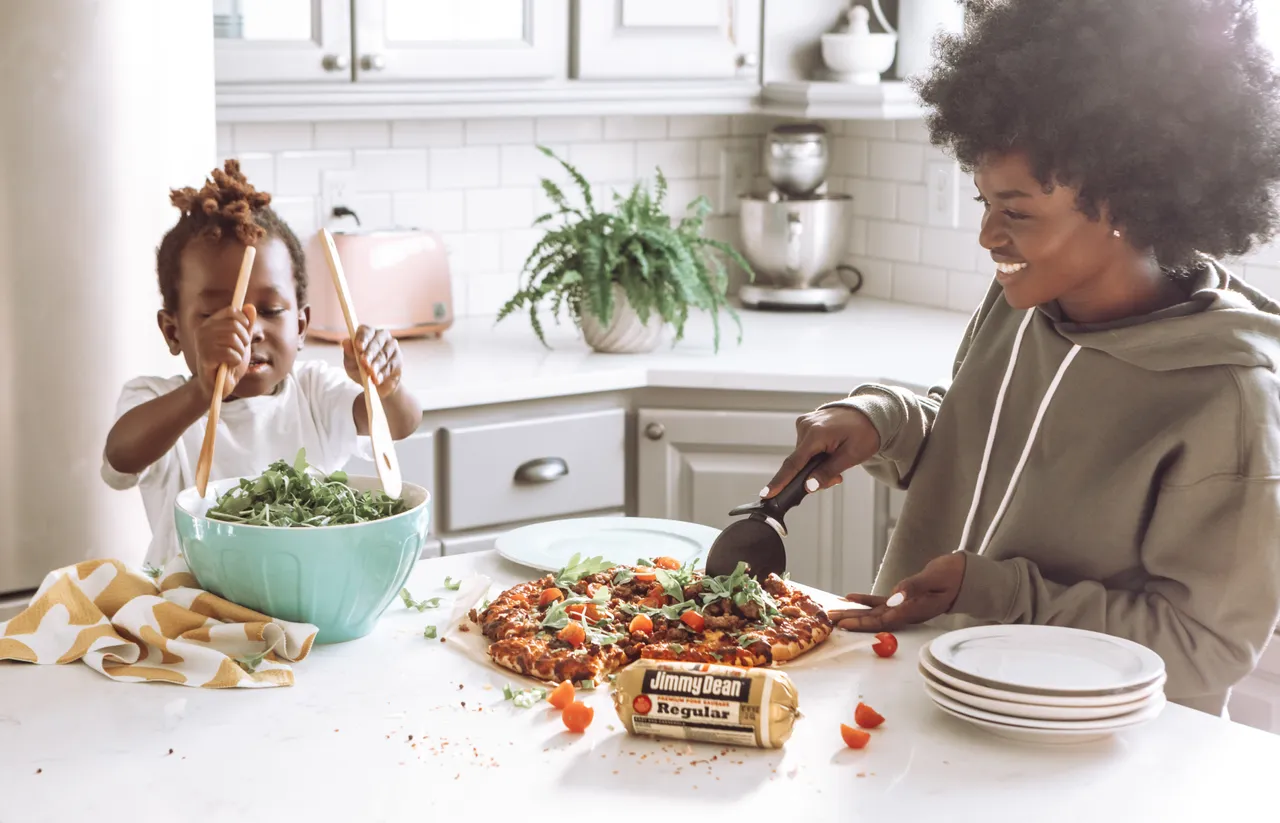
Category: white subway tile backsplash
<point>487,293</point>
<point>259,168</point>
<point>526,165</point>
<point>302,172</point>
<point>920,285</point>
<point>877,277</point>
<point>416,134</point>
<point>498,131</point>
<point>569,129</point>
<point>698,125</point>
<point>678,159</point>
<point>299,214</point>
<point>966,290</point>
<point>374,210</point>
<point>474,252</point>
<point>893,241</point>
<point>439,211</point>
<point>635,128</point>
<point>499,208</point>
<point>911,131</point>
<point>857,236</point>
<point>949,248</point>
<point>913,204</point>
<point>471,167</point>
<point>610,162</point>
<point>874,129</point>
<point>353,135</point>
<point>391,169</point>
<point>896,161</point>
<point>516,245</point>
<point>872,198</point>
<point>271,136</point>
<point>849,156</point>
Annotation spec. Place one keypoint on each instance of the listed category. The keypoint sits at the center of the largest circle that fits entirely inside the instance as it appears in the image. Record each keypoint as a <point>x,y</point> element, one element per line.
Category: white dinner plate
<point>1042,736</point>
<point>1109,724</point>
<point>1032,711</point>
<point>1035,698</point>
<point>1046,659</point>
<point>549,546</point>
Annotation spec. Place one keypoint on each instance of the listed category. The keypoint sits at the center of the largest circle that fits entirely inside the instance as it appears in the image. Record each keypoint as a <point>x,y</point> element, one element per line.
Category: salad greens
<point>420,605</point>
<point>297,495</point>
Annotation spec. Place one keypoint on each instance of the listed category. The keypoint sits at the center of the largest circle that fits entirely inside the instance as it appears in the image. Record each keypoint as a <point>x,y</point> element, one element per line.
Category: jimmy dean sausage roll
<point>713,704</point>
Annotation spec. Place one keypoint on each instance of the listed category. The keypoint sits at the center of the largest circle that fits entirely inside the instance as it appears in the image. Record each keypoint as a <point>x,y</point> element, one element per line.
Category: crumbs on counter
<point>170,752</point>
<point>41,771</point>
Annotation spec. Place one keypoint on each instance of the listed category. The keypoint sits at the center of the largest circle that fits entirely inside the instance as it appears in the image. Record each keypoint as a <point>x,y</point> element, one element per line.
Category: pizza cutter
<point>757,539</point>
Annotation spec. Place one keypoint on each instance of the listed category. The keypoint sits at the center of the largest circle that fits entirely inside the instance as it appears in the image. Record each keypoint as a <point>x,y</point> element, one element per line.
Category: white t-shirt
<point>312,410</point>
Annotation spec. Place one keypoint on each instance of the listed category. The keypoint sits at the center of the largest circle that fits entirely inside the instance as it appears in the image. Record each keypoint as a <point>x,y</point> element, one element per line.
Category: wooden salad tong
<point>379,431</point>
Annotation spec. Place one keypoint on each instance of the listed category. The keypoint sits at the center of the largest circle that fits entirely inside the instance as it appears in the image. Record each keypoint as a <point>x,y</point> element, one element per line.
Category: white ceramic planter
<point>626,334</point>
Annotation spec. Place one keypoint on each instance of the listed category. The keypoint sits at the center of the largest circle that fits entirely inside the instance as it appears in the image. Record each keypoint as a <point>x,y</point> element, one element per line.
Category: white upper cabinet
<point>448,40</point>
<point>282,40</point>
<point>667,39</point>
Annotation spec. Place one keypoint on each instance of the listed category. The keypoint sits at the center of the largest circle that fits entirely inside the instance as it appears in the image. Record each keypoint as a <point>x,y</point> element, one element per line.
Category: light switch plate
<point>337,188</point>
<point>943,184</point>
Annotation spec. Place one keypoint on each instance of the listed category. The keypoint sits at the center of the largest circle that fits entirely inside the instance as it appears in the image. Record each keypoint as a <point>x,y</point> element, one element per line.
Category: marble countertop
<point>477,362</point>
<point>396,728</point>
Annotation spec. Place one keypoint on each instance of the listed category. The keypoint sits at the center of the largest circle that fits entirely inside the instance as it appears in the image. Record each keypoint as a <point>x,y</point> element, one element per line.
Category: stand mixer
<point>794,236</point>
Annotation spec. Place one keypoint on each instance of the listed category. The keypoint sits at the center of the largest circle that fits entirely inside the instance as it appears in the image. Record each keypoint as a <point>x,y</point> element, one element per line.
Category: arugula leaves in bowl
<point>297,496</point>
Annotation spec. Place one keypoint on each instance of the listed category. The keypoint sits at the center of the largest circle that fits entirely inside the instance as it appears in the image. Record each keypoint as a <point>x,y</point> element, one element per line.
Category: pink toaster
<point>399,280</point>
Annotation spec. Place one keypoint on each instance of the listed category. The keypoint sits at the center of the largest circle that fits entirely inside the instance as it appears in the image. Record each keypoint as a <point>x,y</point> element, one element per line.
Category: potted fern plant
<point>624,274</point>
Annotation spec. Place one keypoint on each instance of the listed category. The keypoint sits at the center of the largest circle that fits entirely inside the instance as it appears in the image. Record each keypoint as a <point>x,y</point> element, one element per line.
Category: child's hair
<point>227,205</point>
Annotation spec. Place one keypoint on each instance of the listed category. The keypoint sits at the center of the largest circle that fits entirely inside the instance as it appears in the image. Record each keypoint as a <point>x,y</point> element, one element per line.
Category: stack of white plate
<point>1046,684</point>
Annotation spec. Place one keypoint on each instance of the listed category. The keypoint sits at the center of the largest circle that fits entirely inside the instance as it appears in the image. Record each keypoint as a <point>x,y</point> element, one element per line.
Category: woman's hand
<point>379,353</point>
<point>917,599</point>
<point>224,339</point>
<point>843,433</point>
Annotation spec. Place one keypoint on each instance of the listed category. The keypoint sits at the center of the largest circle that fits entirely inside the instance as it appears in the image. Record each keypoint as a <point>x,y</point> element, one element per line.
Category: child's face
<point>207,280</point>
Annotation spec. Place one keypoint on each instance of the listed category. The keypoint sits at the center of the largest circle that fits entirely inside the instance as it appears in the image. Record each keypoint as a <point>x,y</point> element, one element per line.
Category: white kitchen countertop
<point>477,363</point>
<point>336,747</point>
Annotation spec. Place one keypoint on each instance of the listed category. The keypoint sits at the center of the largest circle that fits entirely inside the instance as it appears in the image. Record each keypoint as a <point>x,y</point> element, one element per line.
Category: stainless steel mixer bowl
<point>796,158</point>
<point>792,243</point>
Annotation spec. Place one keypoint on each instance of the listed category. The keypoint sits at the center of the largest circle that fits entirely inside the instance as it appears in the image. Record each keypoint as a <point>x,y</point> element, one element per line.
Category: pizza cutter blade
<point>757,539</point>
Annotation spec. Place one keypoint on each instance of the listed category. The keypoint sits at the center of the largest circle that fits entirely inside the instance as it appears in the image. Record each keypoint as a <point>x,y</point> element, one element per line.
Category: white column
<point>104,106</point>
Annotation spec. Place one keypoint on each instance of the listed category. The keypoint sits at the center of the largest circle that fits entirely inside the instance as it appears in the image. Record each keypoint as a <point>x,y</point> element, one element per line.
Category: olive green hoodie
<point>1120,477</point>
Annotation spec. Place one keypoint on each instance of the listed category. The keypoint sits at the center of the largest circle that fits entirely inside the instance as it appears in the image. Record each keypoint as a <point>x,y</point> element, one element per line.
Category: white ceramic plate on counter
<point>1032,711</point>
<point>1144,715</point>
<point>1053,660</point>
<point>549,546</point>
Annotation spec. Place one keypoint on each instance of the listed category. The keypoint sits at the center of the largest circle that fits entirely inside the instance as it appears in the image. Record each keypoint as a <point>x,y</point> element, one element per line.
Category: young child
<point>271,406</point>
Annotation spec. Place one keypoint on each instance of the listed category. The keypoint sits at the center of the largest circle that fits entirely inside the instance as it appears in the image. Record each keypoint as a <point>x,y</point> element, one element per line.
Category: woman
<point>1107,455</point>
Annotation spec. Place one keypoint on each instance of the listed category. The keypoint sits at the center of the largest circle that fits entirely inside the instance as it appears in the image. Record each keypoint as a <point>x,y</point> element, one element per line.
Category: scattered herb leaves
<point>297,496</point>
<point>429,632</point>
<point>525,698</point>
<point>420,605</point>
<point>452,585</point>
<point>578,568</point>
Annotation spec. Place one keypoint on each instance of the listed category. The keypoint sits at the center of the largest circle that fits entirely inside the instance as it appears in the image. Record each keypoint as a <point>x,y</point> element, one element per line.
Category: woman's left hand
<point>920,597</point>
<point>379,353</point>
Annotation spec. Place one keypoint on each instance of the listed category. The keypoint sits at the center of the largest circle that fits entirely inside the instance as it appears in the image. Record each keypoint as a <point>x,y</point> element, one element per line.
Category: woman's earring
<point>1115,233</point>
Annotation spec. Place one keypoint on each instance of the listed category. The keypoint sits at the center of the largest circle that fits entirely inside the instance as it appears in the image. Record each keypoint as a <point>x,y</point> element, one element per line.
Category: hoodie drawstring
<point>991,438</point>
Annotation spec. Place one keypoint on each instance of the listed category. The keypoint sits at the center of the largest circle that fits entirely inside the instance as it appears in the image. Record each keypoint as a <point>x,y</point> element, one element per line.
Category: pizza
<point>594,617</point>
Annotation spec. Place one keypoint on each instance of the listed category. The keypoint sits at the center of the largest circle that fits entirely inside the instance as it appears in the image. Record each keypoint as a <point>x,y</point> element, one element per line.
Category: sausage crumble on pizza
<point>595,617</point>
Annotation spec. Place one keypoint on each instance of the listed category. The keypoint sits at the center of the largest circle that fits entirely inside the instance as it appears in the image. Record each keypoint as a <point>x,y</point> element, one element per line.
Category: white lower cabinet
<point>1256,700</point>
<point>697,465</point>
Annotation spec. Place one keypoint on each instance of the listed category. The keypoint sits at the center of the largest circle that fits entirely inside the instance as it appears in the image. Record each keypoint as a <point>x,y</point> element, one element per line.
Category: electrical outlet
<point>944,194</point>
<point>737,173</point>
<point>337,188</point>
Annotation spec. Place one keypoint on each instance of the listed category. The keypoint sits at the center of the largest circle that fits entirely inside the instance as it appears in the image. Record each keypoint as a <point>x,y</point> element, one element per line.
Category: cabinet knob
<point>335,62</point>
<point>655,431</point>
<point>373,62</point>
<point>748,60</point>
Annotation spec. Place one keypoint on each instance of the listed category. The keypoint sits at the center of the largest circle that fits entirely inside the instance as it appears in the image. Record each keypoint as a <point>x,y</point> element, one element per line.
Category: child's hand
<point>224,339</point>
<point>379,353</point>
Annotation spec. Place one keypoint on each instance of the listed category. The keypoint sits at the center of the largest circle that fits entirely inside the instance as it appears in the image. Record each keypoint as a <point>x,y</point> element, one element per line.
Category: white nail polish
<point>764,492</point>
<point>895,600</point>
<point>811,485</point>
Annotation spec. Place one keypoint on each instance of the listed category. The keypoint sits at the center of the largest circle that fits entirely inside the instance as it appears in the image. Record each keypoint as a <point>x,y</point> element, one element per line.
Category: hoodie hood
<point>1224,322</point>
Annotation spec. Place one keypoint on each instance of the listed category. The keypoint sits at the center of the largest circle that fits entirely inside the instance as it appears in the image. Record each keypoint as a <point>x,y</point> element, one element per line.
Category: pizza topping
<point>693,620</point>
<point>573,634</point>
<point>550,596</point>
<point>641,624</point>
<point>867,717</point>
<point>646,577</point>
<point>854,738</point>
<point>669,563</point>
<point>561,695</point>
<point>728,622</point>
<point>577,716</point>
<point>579,568</point>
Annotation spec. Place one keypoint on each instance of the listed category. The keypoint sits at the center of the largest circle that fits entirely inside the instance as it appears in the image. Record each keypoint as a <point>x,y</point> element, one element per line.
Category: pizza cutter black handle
<point>794,492</point>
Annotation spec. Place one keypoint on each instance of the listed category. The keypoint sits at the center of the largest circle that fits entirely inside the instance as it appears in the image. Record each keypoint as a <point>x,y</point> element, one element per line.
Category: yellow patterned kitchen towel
<point>132,629</point>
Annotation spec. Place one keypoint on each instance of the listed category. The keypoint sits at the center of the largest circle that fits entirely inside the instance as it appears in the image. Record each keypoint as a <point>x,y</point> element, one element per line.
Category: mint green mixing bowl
<point>338,578</point>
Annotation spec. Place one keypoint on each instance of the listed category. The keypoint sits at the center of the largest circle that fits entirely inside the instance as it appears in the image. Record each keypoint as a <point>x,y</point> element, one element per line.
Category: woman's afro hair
<point>1166,111</point>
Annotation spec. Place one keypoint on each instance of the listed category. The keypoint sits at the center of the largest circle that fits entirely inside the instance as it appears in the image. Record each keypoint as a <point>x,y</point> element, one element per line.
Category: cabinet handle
<point>541,470</point>
<point>748,60</point>
<point>655,431</point>
<point>335,62</point>
<point>373,62</point>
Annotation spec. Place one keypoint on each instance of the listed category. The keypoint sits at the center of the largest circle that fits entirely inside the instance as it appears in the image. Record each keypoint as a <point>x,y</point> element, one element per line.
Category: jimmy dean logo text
<point>697,685</point>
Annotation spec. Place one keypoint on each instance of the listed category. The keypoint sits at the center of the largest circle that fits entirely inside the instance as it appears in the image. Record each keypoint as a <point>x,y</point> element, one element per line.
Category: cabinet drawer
<point>534,469</point>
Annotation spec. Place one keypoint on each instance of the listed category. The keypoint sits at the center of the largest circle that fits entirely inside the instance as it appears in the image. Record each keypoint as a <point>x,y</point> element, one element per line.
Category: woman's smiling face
<point>1043,246</point>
